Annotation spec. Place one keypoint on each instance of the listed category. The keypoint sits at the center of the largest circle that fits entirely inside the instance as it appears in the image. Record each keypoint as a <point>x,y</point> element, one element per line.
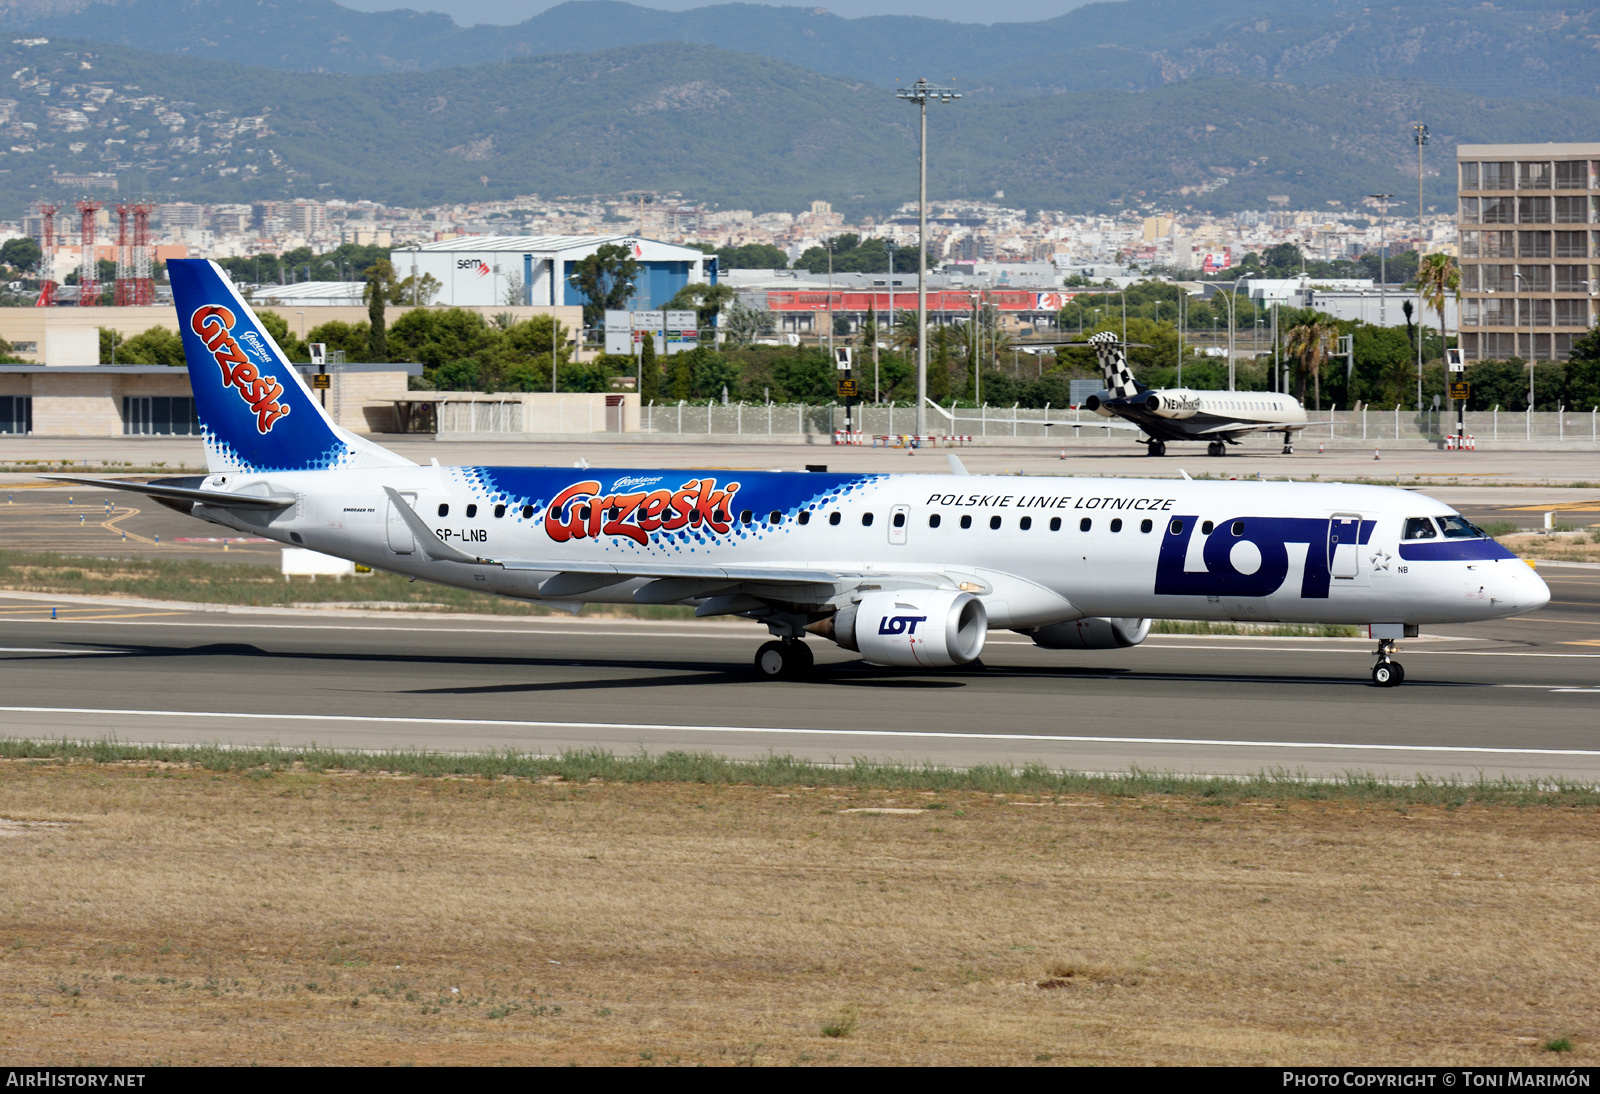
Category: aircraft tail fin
<point>1113,355</point>
<point>255,411</point>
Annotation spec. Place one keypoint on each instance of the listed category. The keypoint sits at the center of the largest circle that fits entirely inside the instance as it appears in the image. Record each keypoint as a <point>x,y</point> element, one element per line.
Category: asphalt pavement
<point>1517,697</point>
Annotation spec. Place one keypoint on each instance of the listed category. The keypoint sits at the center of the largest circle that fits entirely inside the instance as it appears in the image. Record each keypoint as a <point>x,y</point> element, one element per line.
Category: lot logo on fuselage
<point>1251,573</point>
<point>262,394</point>
<point>581,511</point>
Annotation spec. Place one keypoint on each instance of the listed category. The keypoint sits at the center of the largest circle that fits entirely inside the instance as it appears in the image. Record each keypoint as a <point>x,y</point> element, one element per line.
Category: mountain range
<point>729,128</point>
<point>1506,49</point>
<point>1222,105</point>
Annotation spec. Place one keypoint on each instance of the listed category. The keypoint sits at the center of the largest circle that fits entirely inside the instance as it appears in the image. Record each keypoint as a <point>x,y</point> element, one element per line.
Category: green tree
<point>351,339</point>
<point>743,325</point>
<point>682,377</point>
<point>1438,278</point>
<point>606,281</point>
<point>1583,372</point>
<point>704,299</point>
<point>22,253</point>
<point>380,287</point>
<point>649,370</point>
<point>752,256</point>
<point>712,372</point>
<point>1309,342</point>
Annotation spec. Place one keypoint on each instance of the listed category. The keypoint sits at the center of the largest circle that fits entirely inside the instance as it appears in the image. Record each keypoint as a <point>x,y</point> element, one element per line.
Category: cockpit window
<point>1420,528</point>
<point>1455,527</point>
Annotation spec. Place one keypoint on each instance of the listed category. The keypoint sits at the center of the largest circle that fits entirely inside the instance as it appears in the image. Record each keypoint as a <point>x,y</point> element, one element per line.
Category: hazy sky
<point>468,12</point>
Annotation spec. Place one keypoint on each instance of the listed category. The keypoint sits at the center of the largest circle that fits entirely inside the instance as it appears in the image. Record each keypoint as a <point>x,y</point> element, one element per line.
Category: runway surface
<point>1518,697</point>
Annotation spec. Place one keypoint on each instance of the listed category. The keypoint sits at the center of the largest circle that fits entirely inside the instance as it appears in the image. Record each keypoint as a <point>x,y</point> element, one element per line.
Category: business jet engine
<point>1170,406</point>
<point>1095,633</point>
<point>913,628</point>
<point>1096,404</point>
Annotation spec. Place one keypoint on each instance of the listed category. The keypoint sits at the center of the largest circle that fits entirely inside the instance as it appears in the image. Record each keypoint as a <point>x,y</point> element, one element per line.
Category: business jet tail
<point>256,413</point>
<point>1113,355</point>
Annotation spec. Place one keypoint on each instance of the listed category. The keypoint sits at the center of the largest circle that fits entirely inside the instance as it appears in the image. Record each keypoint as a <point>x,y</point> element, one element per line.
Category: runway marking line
<point>367,719</point>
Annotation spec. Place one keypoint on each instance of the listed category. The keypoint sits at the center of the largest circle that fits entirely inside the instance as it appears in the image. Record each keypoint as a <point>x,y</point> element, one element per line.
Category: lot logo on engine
<point>583,511</point>
<point>900,624</point>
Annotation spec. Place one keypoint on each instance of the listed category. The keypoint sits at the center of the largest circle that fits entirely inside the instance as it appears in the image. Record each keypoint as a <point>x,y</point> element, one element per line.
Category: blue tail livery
<point>255,411</point>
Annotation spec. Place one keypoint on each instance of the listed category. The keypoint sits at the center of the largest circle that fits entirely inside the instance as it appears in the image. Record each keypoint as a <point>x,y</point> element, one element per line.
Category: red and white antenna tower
<point>135,287</point>
<point>144,286</point>
<point>47,258</point>
<point>88,268</point>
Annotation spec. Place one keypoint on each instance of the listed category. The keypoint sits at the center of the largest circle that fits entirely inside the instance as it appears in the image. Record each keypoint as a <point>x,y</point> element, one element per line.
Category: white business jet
<point>1185,414</point>
<point>911,571</point>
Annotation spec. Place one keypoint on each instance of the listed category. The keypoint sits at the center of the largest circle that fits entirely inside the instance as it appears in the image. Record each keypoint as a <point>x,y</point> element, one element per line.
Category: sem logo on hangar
<point>477,265</point>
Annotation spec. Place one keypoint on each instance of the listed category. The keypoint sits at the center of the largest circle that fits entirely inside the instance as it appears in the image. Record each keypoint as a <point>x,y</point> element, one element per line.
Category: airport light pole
<point>920,93</point>
<point>1519,277</point>
<point>1420,135</point>
<point>1383,264</point>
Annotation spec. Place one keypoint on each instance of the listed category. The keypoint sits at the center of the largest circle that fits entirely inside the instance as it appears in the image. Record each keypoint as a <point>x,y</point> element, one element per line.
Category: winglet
<point>956,466</point>
<point>432,545</point>
<point>1185,475</point>
<point>949,416</point>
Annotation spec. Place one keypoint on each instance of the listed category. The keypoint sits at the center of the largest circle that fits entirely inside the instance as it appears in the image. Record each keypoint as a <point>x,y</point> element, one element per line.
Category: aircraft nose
<point>1536,594</point>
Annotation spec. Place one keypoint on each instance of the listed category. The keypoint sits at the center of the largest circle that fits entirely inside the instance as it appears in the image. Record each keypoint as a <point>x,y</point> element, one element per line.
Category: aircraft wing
<point>168,489</point>
<point>1258,427</point>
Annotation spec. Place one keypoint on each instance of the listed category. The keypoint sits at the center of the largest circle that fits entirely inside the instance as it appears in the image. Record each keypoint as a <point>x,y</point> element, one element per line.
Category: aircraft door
<point>899,523</point>
<point>1344,545</point>
<point>401,541</point>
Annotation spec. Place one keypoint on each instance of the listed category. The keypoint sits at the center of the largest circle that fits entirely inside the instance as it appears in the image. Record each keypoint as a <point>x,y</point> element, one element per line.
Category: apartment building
<point>1529,224</point>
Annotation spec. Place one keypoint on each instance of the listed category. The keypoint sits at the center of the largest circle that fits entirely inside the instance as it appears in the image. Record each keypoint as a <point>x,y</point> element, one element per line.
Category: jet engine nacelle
<point>1095,633</point>
<point>1169,406</point>
<point>1096,404</point>
<point>914,629</point>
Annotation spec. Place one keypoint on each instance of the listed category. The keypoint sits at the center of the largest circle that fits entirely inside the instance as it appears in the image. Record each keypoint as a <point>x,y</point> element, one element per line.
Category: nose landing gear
<point>784,659</point>
<point>1387,673</point>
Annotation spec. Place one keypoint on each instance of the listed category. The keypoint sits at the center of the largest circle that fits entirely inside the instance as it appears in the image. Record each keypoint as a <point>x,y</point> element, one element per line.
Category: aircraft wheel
<point>1388,674</point>
<point>1216,448</point>
<point>783,661</point>
<point>1156,448</point>
<point>1288,450</point>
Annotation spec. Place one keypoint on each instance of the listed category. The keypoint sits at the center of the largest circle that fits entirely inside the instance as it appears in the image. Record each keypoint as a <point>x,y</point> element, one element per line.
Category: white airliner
<point>909,570</point>
<point>1184,414</point>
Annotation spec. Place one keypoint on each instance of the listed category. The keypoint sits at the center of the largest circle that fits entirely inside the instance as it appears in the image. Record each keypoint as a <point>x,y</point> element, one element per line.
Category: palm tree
<point>905,329</point>
<point>1438,277</point>
<point>1309,342</point>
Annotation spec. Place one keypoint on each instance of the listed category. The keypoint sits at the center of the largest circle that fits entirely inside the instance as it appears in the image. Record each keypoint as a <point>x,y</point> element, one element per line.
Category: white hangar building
<point>491,271</point>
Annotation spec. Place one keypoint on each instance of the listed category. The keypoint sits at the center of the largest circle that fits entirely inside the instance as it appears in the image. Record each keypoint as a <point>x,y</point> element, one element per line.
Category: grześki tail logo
<point>214,325</point>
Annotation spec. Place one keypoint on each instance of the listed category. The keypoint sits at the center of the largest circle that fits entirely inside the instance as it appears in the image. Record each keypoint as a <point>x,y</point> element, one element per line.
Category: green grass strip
<point>778,770</point>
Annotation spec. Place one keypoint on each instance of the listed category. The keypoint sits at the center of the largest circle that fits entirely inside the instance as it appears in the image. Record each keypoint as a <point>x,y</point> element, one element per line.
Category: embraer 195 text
<point>909,570</point>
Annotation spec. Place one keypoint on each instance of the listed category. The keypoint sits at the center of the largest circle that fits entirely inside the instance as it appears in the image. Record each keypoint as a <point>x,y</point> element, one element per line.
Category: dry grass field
<point>156,913</point>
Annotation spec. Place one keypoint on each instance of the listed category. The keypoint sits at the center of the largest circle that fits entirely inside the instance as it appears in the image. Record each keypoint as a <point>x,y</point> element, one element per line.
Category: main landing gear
<point>1216,448</point>
<point>784,659</point>
<point>1387,673</point>
<point>1155,448</point>
<point>1288,443</point>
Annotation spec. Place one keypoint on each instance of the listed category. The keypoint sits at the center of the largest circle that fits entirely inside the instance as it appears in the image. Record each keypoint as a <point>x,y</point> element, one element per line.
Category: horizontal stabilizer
<point>221,499</point>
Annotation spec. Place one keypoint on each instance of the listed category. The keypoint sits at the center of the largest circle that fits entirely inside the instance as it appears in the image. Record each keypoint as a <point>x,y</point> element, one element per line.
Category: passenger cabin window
<point>472,511</point>
<point>774,517</point>
<point>866,520</point>
<point>1116,524</point>
<point>933,520</point>
<point>899,520</point>
<point>1205,527</point>
<point>1237,528</point>
<point>1146,525</point>
<point>1460,528</point>
<point>1025,523</point>
<point>499,511</point>
<point>966,520</point>
<point>527,512</point>
<point>1176,528</point>
<point>1085,524</point>
<point>994,524</point>
<point>833,517</point>
<point>804,517</point>
<point>1055,524</point>
<point>746,517</point>
<point>1420,528</point>
<point>444,509</point>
